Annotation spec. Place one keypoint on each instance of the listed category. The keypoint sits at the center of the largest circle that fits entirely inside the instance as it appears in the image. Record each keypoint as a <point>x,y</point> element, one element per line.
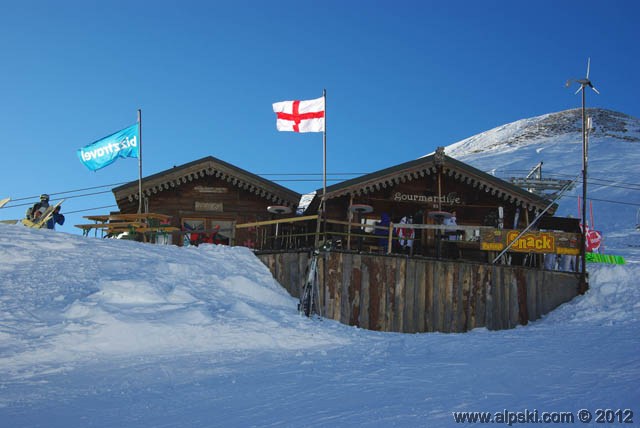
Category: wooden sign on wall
<point>205,189</point>
<point>531,242</point>
<point>209,206</point>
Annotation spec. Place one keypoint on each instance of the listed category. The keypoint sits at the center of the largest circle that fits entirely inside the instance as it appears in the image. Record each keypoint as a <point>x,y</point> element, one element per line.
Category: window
<point>207,230</point>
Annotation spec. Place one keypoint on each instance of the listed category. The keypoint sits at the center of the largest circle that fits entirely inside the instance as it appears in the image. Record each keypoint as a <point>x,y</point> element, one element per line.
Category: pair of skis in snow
<point>310,294</point>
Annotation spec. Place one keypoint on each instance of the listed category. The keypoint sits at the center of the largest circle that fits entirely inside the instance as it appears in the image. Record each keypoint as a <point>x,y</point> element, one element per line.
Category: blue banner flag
<point>104,152</point>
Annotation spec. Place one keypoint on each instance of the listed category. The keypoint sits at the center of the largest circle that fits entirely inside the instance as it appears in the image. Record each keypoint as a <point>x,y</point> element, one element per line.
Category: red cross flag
<point>300,116</point>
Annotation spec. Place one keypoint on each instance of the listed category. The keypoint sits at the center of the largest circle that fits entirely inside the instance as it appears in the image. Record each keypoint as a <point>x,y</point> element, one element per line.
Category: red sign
<point>594,239</point>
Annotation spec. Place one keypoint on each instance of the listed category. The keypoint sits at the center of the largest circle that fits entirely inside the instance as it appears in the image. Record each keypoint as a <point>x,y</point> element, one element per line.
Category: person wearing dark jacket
<point>56,217</point>
<point>383,241</point>
<point>38,207</point>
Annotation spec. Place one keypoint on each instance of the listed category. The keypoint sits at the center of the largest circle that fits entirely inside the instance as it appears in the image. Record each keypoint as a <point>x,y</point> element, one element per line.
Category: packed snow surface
<point>116,333</point>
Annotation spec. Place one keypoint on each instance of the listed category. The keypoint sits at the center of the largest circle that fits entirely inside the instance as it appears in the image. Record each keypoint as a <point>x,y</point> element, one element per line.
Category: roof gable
<point>209,166</point>
<point>428,165</point>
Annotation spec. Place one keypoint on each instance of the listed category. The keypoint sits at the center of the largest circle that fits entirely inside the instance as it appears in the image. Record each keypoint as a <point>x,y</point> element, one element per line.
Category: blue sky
<point>402,78</point>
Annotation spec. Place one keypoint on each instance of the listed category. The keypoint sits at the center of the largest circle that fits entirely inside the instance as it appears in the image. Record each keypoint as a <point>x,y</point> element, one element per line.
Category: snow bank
<point>613,298</point>
<point>66,298</point>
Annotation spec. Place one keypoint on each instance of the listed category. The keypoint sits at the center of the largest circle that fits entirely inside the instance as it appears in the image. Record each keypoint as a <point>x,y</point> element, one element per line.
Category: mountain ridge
<point>555,140</point>
<point>606,124</point>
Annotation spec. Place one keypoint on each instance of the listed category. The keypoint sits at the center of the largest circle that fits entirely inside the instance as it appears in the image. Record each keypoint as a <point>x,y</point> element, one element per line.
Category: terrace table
<point>143,223</point>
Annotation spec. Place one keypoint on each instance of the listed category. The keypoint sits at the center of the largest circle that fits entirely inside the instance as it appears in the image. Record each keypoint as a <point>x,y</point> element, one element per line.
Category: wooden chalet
<point>452,278</point>
<point>435,182</point>
<point>206,199</point>
<point>426,191</point>
<point>209,200</point>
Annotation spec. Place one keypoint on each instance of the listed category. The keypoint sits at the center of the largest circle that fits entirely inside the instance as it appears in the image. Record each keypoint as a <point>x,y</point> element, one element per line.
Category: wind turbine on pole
<point>584,83</point>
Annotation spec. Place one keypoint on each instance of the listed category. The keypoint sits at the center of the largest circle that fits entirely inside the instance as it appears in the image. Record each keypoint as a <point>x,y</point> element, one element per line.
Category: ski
<point>42,221</point>
<point>605,258</point>
<point>306,296</point>
<point>310,295</point>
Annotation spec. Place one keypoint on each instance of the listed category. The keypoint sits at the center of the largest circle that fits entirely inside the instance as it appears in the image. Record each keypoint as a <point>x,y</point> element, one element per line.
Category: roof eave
<point>425,166</point>
<point>201,168</point>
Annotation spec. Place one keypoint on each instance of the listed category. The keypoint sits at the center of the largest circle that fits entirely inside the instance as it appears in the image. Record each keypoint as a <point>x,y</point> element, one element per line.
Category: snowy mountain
<point>555,139</point>
<point>108,333</point>
<point>606,124</point>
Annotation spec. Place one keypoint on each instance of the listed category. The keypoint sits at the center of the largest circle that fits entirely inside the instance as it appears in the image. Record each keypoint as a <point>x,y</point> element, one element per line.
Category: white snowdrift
<point>67,298</point>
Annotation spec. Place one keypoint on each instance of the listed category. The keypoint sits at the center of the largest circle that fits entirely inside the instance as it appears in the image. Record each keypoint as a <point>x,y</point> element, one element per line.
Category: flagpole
<point>324,165</point>
<point>324,146</point>
<point>321,209</point>
<point>140,161</point>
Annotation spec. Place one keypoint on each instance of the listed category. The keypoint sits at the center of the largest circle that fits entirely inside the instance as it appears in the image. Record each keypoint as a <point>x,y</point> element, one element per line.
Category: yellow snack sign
<point>531,242</point>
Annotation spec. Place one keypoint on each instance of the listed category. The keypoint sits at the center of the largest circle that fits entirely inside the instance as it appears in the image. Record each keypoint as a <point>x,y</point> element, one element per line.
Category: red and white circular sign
<point>594,239</point>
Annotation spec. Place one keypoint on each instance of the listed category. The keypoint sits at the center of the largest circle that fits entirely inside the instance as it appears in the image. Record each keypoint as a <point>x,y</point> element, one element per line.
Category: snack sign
<point>530,242</point>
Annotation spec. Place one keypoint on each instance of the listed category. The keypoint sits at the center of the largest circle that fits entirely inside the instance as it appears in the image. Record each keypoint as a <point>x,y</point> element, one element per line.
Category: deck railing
<point>304,232</point>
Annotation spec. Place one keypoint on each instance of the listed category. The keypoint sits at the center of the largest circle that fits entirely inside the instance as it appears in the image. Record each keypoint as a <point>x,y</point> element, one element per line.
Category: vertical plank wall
<point>401,294</point>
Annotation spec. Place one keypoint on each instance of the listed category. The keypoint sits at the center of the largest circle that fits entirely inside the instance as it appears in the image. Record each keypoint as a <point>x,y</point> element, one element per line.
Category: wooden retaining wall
<point>409,295</point>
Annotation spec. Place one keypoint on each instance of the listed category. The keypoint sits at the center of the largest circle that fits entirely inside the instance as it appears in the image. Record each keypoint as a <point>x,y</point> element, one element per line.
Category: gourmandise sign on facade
<point>531,242</point>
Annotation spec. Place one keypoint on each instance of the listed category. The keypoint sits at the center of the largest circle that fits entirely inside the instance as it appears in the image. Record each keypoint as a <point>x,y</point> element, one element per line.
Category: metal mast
<point>585,149</point>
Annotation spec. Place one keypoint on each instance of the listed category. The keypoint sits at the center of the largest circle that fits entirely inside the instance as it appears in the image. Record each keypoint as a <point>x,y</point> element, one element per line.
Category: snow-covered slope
<point>65,298</point>
<point>110,333</point>
<point>606,124</point>
<point>555,139</point>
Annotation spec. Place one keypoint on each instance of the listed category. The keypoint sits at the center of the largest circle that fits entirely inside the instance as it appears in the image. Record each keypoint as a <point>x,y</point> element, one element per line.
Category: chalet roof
<point>428,165</point>
<point>209,166</point>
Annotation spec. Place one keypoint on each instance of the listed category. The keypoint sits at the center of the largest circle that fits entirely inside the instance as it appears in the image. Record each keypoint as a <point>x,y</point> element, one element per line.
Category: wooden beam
<point>285,220</point>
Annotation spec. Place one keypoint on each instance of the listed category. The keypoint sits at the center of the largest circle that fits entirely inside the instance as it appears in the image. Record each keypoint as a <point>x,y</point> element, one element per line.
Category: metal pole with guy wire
<point>584,83</point>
